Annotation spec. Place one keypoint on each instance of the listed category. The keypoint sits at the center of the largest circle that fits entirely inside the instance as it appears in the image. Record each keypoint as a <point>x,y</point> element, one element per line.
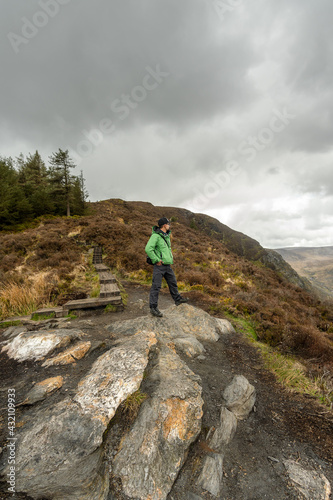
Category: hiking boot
<point>181,300</point>
<point>156,312</point>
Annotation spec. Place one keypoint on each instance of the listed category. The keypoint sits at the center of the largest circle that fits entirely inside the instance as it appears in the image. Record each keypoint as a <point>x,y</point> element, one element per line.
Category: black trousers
<point>160,272</point>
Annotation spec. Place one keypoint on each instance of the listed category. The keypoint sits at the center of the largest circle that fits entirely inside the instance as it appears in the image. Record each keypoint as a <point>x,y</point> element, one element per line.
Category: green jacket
<point>159,247</point>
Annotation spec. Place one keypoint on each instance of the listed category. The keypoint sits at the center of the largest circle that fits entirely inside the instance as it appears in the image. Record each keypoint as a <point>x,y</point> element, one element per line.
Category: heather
<point>209,271</point>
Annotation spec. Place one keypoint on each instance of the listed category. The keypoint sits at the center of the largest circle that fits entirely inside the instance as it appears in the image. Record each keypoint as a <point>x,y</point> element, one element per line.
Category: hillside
<point>132,392</point>
<point>313,263</point>
<point>230,274</point>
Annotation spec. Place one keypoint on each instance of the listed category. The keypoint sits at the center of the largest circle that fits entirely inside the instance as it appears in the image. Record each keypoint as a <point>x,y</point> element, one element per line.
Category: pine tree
<point>61,179</point>
<point>33,177</point>
<point>79,195</point>
<point>14,207</point>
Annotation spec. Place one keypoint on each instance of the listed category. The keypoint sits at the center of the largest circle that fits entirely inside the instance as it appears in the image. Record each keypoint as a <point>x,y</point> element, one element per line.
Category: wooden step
<point>57,312</point>
<point>100,268</point>
<point>98,255</point>
<point>105,277</point>
<point>73,305</point>
<point>109,290</point>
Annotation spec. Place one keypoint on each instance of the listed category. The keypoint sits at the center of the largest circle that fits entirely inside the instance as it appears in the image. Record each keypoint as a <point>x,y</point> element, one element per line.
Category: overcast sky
<point>223,107</point>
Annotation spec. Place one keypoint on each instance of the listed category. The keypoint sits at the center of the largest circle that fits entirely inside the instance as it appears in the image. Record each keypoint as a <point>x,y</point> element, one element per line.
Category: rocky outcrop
<point>153,452</point>
<point>60,455</point>
<point>184,325</point>
<point>85,445</point>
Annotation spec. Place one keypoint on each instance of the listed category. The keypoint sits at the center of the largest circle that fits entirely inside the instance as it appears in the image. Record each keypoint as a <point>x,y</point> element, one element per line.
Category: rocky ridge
<point>75,446</point>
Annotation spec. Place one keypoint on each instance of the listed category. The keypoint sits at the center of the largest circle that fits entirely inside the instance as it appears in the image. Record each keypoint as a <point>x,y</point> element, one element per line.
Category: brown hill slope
<point>314,263</point>
<point>212,264</point>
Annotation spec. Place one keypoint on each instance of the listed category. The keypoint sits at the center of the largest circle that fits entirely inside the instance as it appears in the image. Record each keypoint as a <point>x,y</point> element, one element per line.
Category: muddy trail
<point>282,426</point>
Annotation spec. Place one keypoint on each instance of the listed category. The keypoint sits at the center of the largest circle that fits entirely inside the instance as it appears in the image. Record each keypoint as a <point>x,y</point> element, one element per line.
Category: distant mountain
<point>314,263</point>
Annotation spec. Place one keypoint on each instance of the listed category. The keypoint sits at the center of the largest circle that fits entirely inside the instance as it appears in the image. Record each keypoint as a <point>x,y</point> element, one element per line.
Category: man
<point>158,250</point>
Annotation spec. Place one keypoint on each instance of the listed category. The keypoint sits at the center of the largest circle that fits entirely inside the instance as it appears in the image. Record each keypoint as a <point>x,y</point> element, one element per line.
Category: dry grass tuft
<point>23,299</point>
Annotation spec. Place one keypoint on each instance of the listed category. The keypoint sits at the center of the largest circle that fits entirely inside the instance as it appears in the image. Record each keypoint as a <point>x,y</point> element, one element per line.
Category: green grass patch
<point>244,325</point>
<point>110,308</point>
<point>40,317</point>
<point>71,315</point>
<point>7,324</point>
<point>133,402</point>
<point>292,375</point>
<point>95,291</point>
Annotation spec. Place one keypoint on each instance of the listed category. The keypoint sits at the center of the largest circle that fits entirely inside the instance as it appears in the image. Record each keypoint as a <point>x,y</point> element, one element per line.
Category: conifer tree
<point>14,207</point>
<point>79,195</point>
<point>61,178</point>
<point>33,177</point>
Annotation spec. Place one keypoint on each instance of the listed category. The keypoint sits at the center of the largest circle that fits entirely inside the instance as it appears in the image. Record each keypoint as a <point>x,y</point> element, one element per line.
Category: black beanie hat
<point>163,221</point>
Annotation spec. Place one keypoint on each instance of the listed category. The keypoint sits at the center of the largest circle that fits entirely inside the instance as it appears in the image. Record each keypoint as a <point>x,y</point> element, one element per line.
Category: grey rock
<point>224,432</point>
<point>224,326</point>
<point>41,390</point>
<point>192,496</point>
<point>13,331</point>
<point>72,354</point>
<point>211,476</point>
<point>240,397</point>
<point>154,450</point>
<point>312,484</point>
<point>115,375</point>
<point>189,345</point>
<point>36,345</point>
<point>178,322</point>
<point>60,455</point>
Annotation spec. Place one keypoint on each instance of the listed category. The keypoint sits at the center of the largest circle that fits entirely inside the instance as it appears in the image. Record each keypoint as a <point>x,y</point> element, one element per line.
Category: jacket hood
<point>157,230</point>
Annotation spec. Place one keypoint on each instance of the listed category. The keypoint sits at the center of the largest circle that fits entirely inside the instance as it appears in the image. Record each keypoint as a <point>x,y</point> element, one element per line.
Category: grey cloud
<point>225,79</point>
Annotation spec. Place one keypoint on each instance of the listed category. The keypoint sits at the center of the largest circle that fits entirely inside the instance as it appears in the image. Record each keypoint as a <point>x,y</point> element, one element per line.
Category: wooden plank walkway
<point>91,303</point>
<point>109,293</point>
<point>101,267</point>
<point>109,290</point>
<point>106,277</point>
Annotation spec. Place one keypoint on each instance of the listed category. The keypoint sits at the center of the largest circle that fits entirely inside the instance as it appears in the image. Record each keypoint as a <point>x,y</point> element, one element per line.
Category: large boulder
<point>154,450</point>
<point>35,345</point>
<point>60,454</point>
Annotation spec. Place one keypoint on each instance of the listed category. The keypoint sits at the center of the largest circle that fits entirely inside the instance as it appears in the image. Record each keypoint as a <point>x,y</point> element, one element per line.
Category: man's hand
<point>159,263</point>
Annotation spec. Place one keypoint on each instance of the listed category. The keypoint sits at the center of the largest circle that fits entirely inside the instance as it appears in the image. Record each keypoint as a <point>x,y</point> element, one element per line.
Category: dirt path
<point>283,426</point>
